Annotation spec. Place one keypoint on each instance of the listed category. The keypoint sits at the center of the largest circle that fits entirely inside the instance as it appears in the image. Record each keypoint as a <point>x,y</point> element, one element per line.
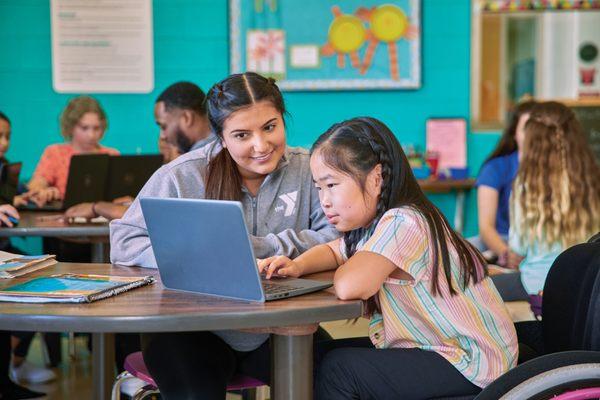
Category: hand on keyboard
<point>279,266</point>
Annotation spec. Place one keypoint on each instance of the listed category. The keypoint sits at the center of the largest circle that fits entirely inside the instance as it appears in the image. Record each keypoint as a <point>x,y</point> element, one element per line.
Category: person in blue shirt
<point>494,187</point>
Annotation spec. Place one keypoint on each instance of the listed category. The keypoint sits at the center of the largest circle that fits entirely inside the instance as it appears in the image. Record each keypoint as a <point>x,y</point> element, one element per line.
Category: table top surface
<point>446,185</point>
<point>154,308</point>
<point>39,223</point>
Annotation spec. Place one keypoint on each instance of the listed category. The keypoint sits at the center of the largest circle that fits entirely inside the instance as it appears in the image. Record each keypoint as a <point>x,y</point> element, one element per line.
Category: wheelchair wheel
<point>571,382</point>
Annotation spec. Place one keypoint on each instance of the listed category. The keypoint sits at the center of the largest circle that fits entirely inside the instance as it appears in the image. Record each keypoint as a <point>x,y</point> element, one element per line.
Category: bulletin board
<point>328,45</point>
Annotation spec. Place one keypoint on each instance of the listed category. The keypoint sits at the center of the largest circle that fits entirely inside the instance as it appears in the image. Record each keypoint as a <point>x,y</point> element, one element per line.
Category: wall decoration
<point>537,5</point>
<point>102,46</point>
<point>328,44</point>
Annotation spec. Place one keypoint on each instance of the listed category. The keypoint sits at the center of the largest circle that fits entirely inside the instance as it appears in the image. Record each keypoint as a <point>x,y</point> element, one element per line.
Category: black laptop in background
<point>86,182</point>
<point>128,174</point>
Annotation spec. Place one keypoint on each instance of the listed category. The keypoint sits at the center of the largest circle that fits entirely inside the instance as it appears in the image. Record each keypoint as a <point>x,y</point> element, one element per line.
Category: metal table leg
<point>292,367</point>
<point>459,212</point>
<point>98,249</point>
<point>103,364</point>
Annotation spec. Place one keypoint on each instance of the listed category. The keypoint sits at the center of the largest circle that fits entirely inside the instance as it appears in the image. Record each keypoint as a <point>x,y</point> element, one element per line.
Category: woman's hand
<point>279,266</point>
<point>41,196</point>
<point>83,210</point>
<point>7,210</point>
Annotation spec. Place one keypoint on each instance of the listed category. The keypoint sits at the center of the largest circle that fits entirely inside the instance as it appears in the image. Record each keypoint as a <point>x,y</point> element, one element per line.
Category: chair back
<point>571,301</point>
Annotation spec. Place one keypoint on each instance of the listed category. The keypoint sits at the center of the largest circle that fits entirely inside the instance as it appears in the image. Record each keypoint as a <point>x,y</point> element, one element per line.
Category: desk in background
<point>31,224</point>
<point>156,309</point>
<point>461,186</point>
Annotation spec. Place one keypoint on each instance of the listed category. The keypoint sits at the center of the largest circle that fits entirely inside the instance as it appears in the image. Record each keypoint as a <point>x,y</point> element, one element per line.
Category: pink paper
<point>448,137</point>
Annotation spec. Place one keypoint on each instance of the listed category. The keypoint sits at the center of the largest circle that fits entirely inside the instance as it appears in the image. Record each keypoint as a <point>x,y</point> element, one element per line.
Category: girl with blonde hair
<point>556,194</point>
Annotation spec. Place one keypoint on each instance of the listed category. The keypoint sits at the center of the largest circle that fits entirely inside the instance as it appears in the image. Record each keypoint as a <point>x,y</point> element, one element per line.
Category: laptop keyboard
<point>272,288</point>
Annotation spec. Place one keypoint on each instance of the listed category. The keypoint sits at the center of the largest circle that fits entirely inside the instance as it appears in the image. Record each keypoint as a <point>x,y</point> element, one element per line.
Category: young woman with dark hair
<point>251,163</point>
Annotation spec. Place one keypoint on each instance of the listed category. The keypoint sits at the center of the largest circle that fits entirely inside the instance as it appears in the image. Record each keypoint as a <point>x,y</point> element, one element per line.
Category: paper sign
<point>102,46</point>
<point>304,56</point>
<point>448,137</point>
<point>266,52</point>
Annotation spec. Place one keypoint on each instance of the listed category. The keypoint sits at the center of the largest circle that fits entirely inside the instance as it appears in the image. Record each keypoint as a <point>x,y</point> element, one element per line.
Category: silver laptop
<point>203,246</point>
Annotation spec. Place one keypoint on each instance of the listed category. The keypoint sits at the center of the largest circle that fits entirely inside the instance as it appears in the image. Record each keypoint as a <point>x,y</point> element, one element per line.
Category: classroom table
<point>156,309</point>
<point>49,224</point>
<point>461,186</point>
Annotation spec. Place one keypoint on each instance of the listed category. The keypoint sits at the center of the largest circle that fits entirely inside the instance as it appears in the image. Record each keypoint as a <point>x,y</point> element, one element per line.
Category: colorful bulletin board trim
<point>328,44</point>
<point>537,5</point>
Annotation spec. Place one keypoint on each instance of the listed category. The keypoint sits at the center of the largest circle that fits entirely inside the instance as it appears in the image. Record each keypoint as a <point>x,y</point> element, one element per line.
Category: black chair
<point>562,351</point>
<point>570,306</point>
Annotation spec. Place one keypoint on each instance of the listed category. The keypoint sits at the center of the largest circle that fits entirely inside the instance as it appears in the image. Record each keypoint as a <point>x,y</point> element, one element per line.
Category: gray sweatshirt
<point>285,217</point>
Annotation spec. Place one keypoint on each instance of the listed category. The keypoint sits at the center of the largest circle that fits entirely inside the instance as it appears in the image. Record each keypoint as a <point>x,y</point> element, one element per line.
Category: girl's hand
<point>5,211</point>
<point>279,266</point>
<point>513,260</point>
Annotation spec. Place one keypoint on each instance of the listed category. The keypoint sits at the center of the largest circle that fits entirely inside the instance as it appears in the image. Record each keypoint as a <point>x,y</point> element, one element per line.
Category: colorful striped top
<point>471,329</point>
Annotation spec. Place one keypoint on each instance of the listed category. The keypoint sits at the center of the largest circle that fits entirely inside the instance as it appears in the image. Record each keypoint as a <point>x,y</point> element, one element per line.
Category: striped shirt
<point>472,329</point>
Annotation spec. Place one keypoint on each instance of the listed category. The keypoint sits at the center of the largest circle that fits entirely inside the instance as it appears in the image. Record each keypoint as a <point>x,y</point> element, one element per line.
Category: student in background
<point>494,186</point>
<point>556,197</point>
<point>180,114</point>
<point>250,162</point>
<point>83,123</point>
<point>435,315</point>
<point>20,368</point>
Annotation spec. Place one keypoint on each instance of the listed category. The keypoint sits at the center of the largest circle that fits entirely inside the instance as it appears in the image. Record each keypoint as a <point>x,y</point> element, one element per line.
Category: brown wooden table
<point>156,309</point>
<point>49,224</point>
<point>461,186</point>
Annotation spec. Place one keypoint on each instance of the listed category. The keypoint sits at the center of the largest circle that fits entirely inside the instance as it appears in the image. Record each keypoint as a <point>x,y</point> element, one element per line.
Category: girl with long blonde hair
<point>556,195</point>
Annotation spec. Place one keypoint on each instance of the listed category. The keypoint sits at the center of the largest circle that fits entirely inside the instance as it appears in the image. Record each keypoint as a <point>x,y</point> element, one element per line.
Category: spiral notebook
<point>71,288</point>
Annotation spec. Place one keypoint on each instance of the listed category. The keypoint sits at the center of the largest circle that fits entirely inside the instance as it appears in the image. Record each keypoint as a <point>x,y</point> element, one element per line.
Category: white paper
<point>102,46</point>
<point>305,56</point>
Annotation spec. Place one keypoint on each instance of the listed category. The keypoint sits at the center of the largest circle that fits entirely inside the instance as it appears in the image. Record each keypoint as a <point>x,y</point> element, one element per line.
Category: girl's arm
<point>323,257</point>
<point>487,206</point>
<point>363,275</point>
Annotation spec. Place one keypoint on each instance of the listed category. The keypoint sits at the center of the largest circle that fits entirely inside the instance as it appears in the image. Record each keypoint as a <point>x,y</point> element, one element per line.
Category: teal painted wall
<point>190,43</point>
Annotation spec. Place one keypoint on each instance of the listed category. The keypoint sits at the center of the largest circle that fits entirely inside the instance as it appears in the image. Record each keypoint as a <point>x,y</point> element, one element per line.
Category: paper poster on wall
<point>448,138</point>
<point>265,52</point>
<point>330,44</point>
<point>102,46</point>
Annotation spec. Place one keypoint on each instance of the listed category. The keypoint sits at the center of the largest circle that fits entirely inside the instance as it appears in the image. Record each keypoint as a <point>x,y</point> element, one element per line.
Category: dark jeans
<point>354,369</point>
<point>192,365</point>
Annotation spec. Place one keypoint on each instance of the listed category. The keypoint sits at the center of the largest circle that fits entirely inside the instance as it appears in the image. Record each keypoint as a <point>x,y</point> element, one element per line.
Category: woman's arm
<point>487,208</point>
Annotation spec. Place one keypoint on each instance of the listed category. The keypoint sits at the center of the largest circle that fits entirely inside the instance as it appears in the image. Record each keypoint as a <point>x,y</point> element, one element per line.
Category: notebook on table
<point>14,265</point>
<point>203,246</point>
<point>71,288</point>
